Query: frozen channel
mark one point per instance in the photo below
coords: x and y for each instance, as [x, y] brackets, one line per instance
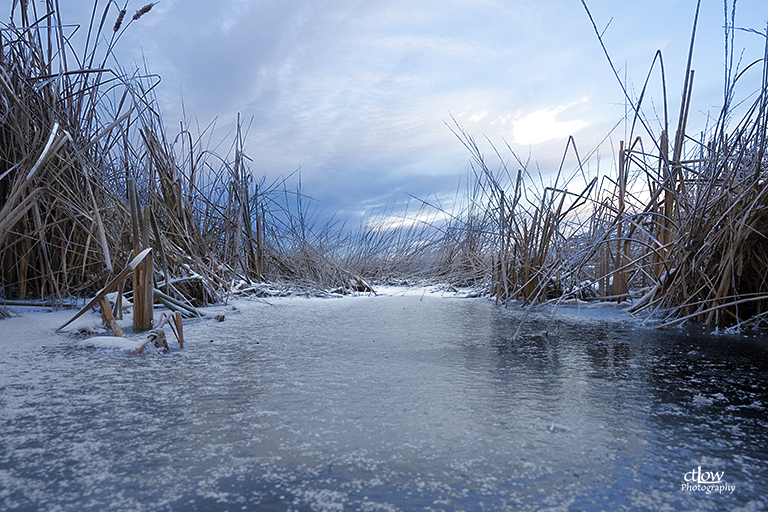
[382, 404]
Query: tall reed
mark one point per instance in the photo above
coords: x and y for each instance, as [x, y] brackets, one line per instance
[71, 140]
[682, 218]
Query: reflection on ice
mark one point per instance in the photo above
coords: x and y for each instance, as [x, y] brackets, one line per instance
[384, 403]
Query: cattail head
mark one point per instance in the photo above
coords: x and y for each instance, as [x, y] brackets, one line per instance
[119, 21]
[141, 12]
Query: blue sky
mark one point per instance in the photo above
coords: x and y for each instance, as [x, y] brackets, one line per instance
[357, 93]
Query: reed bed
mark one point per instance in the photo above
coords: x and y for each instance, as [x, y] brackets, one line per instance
[54, 234]
[679, 227]
[89, 178]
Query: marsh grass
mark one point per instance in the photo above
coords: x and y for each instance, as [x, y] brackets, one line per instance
[678, 226]
[76, 132]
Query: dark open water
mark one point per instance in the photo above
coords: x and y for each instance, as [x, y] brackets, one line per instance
[385, 404]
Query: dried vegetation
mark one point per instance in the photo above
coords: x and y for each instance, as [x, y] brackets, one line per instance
[88, 179]
[680, 227]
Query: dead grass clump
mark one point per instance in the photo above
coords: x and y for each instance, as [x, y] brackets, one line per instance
[71, 141]
[54, 237]
[680, 227]
[719, 268]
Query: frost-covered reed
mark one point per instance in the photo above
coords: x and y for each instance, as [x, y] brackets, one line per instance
[680, 227]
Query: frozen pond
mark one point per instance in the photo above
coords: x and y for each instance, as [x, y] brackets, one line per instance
[383, 404]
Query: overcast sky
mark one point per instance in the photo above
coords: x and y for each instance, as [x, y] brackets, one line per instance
[357, 93]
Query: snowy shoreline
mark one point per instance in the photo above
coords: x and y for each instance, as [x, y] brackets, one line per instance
[33, 324]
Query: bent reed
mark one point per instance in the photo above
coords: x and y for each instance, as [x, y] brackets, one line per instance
[679, 228]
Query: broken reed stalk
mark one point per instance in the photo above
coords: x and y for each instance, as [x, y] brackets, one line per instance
[178, 322]
[139, 297]
[147, 278]
[118, 311]
[111, 286]
[108, 318]
[176, 305]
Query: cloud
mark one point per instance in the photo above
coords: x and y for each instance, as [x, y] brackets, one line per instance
[408, 220]
[542, 126]
[476, 118]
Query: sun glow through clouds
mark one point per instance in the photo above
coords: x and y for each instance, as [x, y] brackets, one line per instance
[478, 117]
[542, 125]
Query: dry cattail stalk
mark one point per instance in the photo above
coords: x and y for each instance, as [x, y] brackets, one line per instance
[141, 12]
[119, 21]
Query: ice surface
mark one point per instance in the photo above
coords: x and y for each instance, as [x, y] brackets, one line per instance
[413, 399]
